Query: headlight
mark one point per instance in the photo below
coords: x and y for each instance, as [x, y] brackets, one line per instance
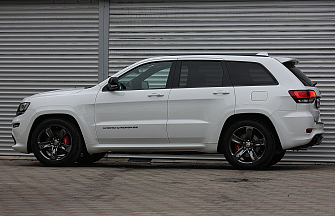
[22, 108]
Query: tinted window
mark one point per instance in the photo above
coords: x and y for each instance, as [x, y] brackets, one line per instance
[299, 74]
[148, 76]
[249, 74]
[201, 74]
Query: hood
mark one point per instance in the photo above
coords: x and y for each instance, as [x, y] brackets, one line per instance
[56, 93]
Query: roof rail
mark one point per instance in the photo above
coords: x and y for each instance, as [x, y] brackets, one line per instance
[263, 54]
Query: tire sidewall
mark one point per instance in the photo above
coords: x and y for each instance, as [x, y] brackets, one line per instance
[86, 158]
[269, 148]
[76, 147]
[276, 158]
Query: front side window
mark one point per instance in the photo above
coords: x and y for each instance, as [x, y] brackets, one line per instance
[196, 74]
[148, 76]
[249, 74]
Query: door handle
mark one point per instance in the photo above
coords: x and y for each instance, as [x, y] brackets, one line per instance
[156, 95]
[221, 92]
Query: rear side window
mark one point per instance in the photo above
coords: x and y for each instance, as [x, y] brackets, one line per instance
[299, 74]
[249, 74]
[196, 74]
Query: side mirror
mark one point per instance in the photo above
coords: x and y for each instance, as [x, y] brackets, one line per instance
[113, 84]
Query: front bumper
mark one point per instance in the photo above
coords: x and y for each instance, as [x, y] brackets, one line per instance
[20, 131]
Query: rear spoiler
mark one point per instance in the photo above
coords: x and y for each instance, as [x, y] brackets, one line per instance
[282, 60]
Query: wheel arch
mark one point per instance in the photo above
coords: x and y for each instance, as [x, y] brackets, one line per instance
[41, 118]
[249, 116]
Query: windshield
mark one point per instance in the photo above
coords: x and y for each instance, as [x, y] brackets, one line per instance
[299, 74]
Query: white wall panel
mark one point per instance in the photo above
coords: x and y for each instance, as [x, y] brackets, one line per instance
[44, 45]
[300, 29]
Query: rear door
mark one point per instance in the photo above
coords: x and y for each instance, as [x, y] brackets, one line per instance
[200, 102]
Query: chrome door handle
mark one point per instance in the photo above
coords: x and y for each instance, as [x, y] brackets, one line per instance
[156, 95]
[221, 92]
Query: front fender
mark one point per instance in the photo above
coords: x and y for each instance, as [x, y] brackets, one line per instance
[85, 120]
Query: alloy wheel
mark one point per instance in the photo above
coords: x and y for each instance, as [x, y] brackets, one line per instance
[54, 142]
[247, 144]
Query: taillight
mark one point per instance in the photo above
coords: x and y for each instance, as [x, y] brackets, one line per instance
[303, 96]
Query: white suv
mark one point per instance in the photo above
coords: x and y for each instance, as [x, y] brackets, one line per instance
[249, 108]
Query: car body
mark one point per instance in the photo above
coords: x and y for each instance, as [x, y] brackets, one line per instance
[261, 105]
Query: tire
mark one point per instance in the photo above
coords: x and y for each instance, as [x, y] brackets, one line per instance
[86, 158]
[56, 142]
[248, 144]
[276, 158]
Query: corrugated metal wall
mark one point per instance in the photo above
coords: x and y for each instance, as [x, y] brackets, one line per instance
[44, 45]
[300, 29]
[47, 45]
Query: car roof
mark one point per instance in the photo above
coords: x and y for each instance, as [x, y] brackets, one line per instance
[223, 57]
[254, 58]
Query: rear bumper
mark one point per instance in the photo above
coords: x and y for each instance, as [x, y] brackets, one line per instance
[317, 139]
[292, 128]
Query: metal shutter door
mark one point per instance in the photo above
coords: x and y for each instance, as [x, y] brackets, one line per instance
[44, 46]
[301, 29]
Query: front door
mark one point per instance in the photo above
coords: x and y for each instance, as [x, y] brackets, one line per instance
[137, 112]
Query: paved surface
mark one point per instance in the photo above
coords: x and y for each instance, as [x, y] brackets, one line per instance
[165, 188]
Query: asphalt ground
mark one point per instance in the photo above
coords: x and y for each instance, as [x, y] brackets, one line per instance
[165, 187]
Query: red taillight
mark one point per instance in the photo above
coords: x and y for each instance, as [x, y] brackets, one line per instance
[303, 96]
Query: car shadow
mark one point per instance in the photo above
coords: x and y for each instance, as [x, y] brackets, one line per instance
[222, 165]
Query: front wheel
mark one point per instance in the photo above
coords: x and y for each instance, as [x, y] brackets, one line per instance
[248, 144]
[56, 142]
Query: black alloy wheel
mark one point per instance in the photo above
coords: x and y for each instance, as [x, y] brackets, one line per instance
[248, 144]
[56, 142]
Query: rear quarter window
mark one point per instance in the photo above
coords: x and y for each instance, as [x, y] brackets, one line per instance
[249, 74]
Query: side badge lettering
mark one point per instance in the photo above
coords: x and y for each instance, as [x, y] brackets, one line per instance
[120, 127]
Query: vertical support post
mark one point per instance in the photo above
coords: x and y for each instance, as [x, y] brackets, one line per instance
[103, 40]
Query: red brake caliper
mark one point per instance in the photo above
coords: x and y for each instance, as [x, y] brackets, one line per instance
[66, 140]
[237, 146]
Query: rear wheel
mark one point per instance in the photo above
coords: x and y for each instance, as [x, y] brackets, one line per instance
[248, 144]
[56, 142]
[276, 158]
